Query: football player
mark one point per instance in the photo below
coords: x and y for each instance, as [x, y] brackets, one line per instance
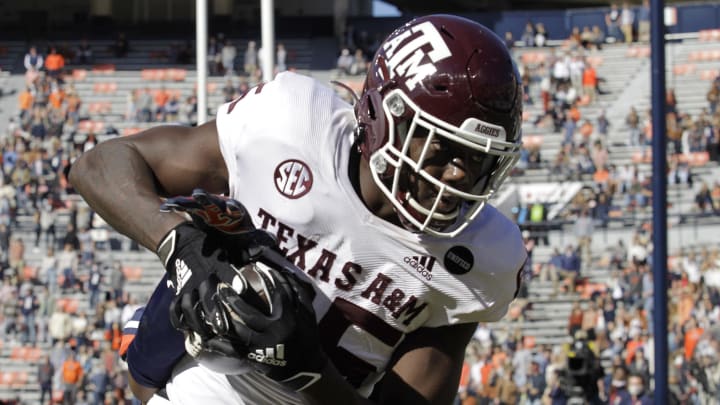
[382, 206]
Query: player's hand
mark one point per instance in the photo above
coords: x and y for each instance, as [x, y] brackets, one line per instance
[191, 256]
[284, 344]
[211, 212]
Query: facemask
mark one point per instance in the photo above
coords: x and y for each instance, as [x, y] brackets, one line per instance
[635, 390]
[618, 383]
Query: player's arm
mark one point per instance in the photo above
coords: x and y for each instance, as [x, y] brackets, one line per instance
[427, 370]
[123, 179]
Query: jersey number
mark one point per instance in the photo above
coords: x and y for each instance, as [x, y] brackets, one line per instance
[257, 88]
[341, 315]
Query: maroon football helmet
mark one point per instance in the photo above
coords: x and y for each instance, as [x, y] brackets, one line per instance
[440, 76]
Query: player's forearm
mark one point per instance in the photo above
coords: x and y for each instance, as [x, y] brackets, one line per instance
[118, 184]
[330, 388]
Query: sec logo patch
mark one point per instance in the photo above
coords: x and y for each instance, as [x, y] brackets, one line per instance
[293, 178]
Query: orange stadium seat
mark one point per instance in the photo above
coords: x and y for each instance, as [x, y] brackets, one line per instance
[177, 75]
[72, 306]
[595, 60]
[105, 87]
[684, 69]
[695, 158]
[131, 131]
[530, 141]
[99, 107]
[79, 74]
[709, 74]
[6, 378]
[29, 272]
[18, 353]
[132, 273]
[105, 68]
[91, 126]
[33, 354]
[20, 379]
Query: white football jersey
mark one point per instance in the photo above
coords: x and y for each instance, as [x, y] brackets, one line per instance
[287, 145]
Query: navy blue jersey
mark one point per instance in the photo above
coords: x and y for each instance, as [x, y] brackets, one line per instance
[157, 345]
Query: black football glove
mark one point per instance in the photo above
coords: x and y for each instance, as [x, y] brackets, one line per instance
[284, 344]
[191, 256]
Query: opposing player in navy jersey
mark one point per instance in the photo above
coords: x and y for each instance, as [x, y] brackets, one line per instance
[381, 209]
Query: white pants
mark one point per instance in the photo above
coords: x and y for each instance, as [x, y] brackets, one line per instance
[192, 384]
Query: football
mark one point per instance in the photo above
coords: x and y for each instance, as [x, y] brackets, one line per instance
[257, 288]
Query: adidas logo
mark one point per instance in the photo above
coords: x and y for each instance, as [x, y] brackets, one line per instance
[421, 264]
[274, 356]
[182, 274]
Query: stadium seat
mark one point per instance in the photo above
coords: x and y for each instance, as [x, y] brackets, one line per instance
[33, 354]
[105, 87]
[7, 378]
[709, 74]
[20, 379]
[105, 68]
[132, 273]
[684, 69]
[18, 353]
[532, 141]
[29, 272]
[131, 131]
[99, 107]
[79, 74]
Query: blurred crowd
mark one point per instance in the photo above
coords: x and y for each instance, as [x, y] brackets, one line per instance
[58, 287]
[611, 354]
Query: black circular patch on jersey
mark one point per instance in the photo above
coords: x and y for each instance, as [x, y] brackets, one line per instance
[459, 260]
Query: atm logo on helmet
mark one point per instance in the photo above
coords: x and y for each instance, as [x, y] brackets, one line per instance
[405, 52]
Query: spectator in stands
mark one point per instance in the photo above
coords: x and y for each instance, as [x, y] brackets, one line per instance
[25, 103]
[45, 372]
[68, 265]
[540, 35]
[144, 105]
[643, 18]
[33, 61]
[117, 280]
[72, 374]
[161, 98]
[509, 40]
[359, 64]
[344, 62]
[70, 237]
[121, 47]
[575, 319]
[250, 61]
[228, 90]
[54, 64]
[172, 108]
[29, 304]
[280, 58]
[704, 201]
[84, 53]
[99, 382]
[528, 35]
[713, 96]
[584, 228]
[612, 21]
[590, 83]
[59, 326]
[627, 20]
